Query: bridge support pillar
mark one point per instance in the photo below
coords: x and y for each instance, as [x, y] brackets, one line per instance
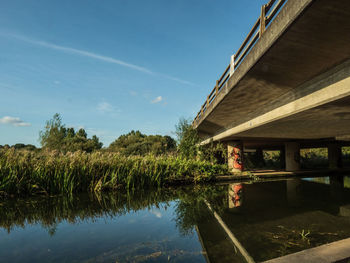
[292, 150]
[235, 156]
[334, 156]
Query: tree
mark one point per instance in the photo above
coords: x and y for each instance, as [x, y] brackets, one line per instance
[22, 146]
[81, 133]
[136, 143]
[54, 133]
[56, 136]
[187, 138]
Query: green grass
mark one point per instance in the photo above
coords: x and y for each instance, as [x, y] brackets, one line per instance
[28, 173]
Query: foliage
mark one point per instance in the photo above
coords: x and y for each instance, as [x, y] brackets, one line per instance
[214, 153]
[136, 143]
[314, 158]
[20, 146]
[187, 138]
[53, 172]
[56, 136]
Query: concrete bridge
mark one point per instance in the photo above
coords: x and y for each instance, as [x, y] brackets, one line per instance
[288, 85]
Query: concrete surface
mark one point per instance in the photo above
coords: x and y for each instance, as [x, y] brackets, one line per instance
[294, 83]
[328, 253]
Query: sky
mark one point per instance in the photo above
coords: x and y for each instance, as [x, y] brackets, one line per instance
[113, 66]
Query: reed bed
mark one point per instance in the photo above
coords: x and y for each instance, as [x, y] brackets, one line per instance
[25, 173]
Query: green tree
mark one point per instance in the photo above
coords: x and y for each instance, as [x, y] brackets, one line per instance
[187, 138]
[22, 146]
[53, 135]
[136, 143]
[56, 136]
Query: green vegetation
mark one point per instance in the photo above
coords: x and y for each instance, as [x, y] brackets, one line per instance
[56, 136]
[187, 139]
[136, 143]
[20, 146]
[189, 148]
[52, 172]
[69, 162]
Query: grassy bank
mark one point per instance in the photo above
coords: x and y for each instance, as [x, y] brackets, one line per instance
[28, 173]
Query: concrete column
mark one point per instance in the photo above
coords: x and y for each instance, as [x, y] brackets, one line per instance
[334, 156]
[235, 156]
[292, 156]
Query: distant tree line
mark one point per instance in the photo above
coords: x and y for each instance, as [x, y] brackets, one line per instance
[20, 146]
[56, 136]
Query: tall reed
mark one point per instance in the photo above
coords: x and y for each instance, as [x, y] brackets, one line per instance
[28, 173]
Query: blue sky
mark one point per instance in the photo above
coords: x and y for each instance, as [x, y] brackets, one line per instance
[113, 66]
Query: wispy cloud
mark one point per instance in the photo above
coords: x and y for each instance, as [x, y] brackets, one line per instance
[105, 107]
[80, 52]
[94, 56]
[15, 121]
[157, 100]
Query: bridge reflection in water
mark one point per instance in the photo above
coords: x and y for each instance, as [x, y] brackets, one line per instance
[272, 219]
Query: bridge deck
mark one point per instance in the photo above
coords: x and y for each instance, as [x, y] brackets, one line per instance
[307, 39]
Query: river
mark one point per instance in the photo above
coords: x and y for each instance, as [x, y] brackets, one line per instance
[268, 218]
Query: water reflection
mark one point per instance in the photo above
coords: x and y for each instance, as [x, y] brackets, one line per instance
[294, 194]
[235, 195]
[268, 218]
[113, 227]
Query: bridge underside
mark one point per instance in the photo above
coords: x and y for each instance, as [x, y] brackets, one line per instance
[293, 85]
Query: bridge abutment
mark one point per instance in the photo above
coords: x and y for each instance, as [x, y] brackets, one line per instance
[292, 150]
[235, 156]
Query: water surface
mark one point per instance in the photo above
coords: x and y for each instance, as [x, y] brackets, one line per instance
[270, 219]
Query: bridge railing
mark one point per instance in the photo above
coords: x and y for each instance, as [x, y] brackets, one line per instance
[268, 13]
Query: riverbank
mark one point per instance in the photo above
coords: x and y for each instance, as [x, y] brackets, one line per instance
[24, 173]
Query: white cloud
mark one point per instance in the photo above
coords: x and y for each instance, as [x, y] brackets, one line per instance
[15, 121]
[158, 99]
[157, 213]
[94, 56]
[105, 107]
[80, 52]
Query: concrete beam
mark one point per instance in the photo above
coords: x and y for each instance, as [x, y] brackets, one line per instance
[335, 86]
